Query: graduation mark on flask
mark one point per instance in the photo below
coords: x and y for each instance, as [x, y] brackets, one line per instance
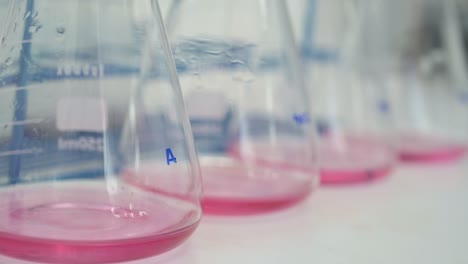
[81, 143]
[69, 70]
[21, 152]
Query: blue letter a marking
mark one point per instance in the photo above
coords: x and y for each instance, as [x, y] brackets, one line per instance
[170, 156]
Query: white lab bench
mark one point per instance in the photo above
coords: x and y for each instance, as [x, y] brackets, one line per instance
[418, 215]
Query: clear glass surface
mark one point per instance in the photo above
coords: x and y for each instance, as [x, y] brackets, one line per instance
[347, 93]
[97, 162]
[428, 77]
[244, 90]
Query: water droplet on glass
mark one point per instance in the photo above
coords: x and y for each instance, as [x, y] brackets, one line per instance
[60, 30]
[237, 62]
[243, 77]
[34, 28]
[8, 61]
[214, 52]
[142, 213]
[28, 14]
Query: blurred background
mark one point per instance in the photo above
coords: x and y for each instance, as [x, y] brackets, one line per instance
[404, 66]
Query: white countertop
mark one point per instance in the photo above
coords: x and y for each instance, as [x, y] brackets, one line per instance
[419, 215]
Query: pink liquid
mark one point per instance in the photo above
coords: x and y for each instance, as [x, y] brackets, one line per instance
[414, 148]
[352, 159]
[257, 179]
[336, 176]
[78, 222]
[231, 188]
[239, 190]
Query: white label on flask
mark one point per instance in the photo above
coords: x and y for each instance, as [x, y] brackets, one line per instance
[84, 114]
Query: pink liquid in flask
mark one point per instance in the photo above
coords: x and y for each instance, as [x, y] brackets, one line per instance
[422, 148]
[255, 182]
[78, 222]
[351, 159]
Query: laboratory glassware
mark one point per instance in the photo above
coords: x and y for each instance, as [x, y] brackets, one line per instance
[5, 5]
[429, 78]
[348, 97]
[97, 162]
[243, 86]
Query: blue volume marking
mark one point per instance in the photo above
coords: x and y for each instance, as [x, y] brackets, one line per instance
[384, 106]
[302, 118]
[463, 97]
[170, 157]
[21, 97]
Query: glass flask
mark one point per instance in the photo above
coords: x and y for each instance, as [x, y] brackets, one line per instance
[4, 8]
[97, 162]
[347, 95]
[428, 73]
[243, 88]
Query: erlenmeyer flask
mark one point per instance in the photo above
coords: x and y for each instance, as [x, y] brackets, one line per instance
[97, 163]
[354, 141]
[243, 88]
[429, 88]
